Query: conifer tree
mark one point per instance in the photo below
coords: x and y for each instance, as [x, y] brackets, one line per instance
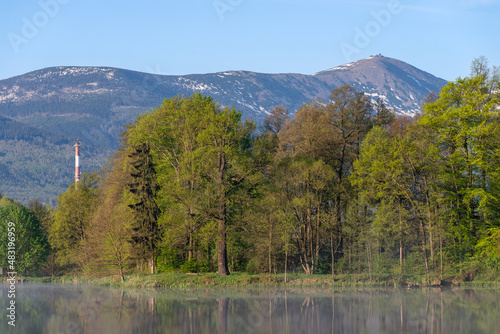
[144, 187]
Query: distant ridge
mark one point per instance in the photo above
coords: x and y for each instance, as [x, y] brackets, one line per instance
[61, 104]
[402, 85]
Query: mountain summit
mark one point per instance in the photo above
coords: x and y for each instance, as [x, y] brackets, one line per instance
[60, 104]
[400, 85]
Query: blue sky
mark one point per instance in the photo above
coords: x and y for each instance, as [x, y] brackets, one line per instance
[271, 36]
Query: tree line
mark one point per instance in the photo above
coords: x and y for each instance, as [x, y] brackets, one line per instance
[343, 186]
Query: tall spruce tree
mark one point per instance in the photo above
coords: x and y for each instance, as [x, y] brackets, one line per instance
[145, 187]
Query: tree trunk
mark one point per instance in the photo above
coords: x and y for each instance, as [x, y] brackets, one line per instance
[305, 264]
[190, 243]
[333, 256]
[431, 241]
[223, 270]
[338, 221]
[424, 251]
[400, 239]
[441, 254]
[369, 258]
[286, 259]
[152, 261]
[270, 242]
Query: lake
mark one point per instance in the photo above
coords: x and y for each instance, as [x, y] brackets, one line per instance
[82, 309]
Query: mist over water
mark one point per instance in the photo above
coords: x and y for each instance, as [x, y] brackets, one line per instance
[65, 309]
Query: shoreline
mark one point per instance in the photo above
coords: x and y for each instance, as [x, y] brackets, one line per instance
[191, 280]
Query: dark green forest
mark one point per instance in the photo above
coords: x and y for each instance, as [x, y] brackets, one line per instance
[341, 187]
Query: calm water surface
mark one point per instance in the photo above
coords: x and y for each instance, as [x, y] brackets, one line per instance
[82, 309]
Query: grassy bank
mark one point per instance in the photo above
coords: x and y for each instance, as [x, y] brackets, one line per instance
[180, 280]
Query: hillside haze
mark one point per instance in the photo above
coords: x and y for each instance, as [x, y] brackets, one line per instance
[43, 112]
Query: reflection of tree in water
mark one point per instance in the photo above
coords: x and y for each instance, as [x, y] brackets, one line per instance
[79, 310]
[85, 310]
[222, 325]
[33, 309]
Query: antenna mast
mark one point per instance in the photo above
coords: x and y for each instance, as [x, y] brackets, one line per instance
[77, 161]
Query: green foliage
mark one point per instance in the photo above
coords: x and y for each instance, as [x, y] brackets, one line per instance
[72, 219]
[194, 266]
[341, 187]
[437, 177]
[464, 120]
[488, 250]
[200, 153]
[302, 187]
[144, 188]
[108, 242]
[43, 213]
[28, 240]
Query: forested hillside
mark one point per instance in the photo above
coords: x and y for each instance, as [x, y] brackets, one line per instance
[344, 186]
[53, 107]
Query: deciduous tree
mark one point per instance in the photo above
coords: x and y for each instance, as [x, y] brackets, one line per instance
[72, 218]
[22, 240]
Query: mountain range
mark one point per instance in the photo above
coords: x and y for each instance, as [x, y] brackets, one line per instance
[43, 112]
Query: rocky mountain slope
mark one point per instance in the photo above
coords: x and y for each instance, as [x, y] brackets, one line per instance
[43, 112]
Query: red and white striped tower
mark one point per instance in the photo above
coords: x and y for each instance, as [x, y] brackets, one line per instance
[77, 162]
